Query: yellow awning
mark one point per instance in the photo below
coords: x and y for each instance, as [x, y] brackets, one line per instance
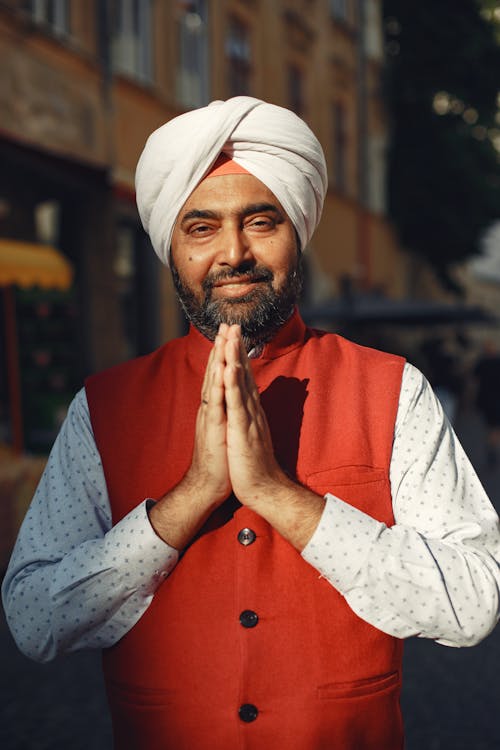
[26, 264]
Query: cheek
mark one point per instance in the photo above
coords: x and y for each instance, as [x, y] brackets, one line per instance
[193, 268]
[280, 278]
[277, 255]
[285, 262]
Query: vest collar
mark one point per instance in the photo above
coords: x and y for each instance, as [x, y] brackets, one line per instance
[289, 337]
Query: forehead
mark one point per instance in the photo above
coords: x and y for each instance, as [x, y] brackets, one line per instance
[230, 192]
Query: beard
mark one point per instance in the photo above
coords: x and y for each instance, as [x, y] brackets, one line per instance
[260, 313]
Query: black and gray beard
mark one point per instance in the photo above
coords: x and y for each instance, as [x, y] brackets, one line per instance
[261, 312]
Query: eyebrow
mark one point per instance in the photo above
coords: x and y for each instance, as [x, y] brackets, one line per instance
[253, 208]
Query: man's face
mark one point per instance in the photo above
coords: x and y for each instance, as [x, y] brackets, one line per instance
[235, 258]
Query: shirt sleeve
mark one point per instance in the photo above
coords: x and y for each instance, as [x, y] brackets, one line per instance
[435, 573]
[73, 580]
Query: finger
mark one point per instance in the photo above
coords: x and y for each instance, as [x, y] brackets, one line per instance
[216, 355]
[246, 421]
[233, 331]
[223, 330]
[232, 352]
[242, 393]
[236, 354]
[206, 376]
[215, 393]
[212, 411]
[235, 334]
[215, 411]
[235, 394]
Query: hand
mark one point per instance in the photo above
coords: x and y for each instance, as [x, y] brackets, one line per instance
[233, 450]
[256, 477]
[209, 471]
[253, 468]
[178, 515]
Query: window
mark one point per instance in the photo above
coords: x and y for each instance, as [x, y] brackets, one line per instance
[296, 90]
[52, 13]
[239, 57]
[193, 58]
[340, 143]
[131, 38]
[339, 9]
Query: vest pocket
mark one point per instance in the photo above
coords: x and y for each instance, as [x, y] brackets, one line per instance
[365, 487]
[358, 688]
[340, 476]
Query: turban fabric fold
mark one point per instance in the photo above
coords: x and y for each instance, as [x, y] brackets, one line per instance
[270, 142]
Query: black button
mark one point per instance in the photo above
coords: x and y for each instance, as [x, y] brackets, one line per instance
[248, 712]
[249, 619]
[247, 536]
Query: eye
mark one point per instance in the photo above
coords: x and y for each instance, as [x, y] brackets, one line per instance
[200, 229]
[261, 223]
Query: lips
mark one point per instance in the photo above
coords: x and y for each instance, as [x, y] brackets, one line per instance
[236, 286]
[236, 280]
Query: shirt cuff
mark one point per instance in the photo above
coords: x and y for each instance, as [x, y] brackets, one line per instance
[342, 542]
[148, 558]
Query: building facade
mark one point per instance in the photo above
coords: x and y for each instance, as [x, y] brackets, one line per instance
[83, 84]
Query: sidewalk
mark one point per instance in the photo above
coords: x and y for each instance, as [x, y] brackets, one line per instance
[450, 696]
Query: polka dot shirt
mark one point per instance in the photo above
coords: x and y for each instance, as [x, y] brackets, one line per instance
[75, 581]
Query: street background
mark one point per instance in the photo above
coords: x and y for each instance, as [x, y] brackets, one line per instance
[450, 696]
[404, 98]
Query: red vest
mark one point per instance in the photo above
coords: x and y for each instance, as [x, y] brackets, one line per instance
[245, 645]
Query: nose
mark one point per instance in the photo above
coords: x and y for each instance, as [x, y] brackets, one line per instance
[234, 247]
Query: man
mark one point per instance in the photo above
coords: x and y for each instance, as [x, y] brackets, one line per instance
[250, 519]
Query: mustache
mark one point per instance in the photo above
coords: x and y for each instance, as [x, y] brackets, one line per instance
[251, 272]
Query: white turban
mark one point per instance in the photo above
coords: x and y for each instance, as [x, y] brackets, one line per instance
[270, 142]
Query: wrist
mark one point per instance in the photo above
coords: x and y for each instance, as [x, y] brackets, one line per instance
[293, 510]
[262, 492]
[178, 515]
[205, 491]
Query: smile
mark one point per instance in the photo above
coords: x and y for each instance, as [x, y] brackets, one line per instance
[235, 287]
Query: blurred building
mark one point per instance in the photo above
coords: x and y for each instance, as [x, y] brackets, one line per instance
[83, 83]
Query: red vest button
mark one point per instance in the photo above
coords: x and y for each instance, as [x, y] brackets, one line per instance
[246, 537]
[249, 619]
[248, 712]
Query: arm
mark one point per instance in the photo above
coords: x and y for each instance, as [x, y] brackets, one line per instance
[435, 573]
[73, 581]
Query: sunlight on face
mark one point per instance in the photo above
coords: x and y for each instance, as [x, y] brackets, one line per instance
[235, 258]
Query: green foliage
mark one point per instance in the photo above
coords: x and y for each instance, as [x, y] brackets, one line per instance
[442, 87]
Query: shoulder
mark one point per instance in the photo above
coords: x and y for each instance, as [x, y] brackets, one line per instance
[129, 382]
[417, 399]
[349, 350]
[126, 371]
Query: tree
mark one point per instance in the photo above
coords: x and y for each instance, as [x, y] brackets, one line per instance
[442, 89]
